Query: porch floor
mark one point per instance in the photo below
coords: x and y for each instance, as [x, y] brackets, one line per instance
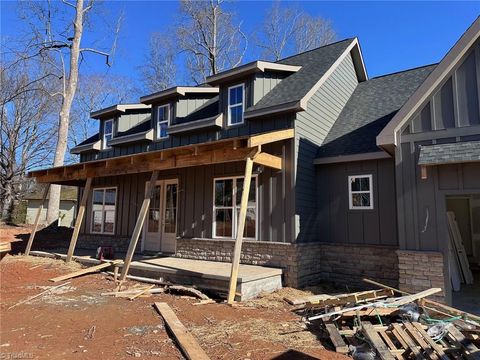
[206, 275]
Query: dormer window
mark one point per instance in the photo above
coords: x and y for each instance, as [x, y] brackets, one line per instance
[107, 133]
[163, 119]
[235, 104]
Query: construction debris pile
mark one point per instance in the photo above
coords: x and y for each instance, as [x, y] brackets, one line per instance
[378, 325]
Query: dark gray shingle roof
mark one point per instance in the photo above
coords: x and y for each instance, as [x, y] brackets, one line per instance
[449, 153]
[90, 140]
[294, 87]
[371, 106]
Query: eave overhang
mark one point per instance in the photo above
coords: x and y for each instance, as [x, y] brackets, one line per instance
[116, 110]
[94, 146]
[127, 139]
[250, 68]
[177, 92]
[191, 126]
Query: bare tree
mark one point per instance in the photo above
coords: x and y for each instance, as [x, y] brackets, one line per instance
[287, 30]
[313, 32]
[159, 69]
[57, 30]
[96, 91]
[210, 38]
[26, 131]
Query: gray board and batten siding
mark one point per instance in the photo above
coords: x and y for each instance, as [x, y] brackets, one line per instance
[450, 115]
[195, 195]
[311, 129]
[336, 223]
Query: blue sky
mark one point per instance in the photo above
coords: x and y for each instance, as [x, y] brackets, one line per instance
[393, 35]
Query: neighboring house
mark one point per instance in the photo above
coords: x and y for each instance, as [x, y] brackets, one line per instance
[343, 196]
[67, 209]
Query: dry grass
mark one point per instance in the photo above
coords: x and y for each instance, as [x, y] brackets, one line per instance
[38, 262]
[292, 334]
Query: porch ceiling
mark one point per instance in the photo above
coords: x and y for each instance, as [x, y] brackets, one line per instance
[221, 151]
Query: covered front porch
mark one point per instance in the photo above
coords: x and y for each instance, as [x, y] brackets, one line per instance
[210, 276]
[172, 192]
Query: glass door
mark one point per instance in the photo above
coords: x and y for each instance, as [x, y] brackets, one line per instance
[153, 223]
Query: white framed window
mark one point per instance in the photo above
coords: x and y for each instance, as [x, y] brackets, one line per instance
[163, 120]
[236, 95]
[227, 195]
[107, 133]
[360, 192]
[104, 201]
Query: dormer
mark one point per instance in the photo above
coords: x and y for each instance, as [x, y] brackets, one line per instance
[243, 86]
[118, 125]
[183, 109]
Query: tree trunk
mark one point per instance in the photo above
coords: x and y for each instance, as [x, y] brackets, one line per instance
[64, 117]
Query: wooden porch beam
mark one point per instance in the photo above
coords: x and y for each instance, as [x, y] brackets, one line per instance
[241, 226]
[268, 160]
[138, 226]
[37, 220]
[270, 137]
[79, 219]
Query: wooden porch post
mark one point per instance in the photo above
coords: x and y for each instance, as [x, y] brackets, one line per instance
[37, 220]
[241, 226]
[79, 219]
[138, 226]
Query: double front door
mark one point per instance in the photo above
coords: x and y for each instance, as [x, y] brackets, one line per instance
[161, 223]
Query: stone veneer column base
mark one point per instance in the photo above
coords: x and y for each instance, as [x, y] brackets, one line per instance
[421, 270]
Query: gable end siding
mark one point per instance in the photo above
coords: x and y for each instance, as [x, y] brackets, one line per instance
[311, 128]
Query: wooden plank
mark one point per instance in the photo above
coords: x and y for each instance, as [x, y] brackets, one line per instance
[265, 159]
[336, 339]
[270, 137]
[457, 243]
[471, 352]
[38, 295]
[410, 298]
[78, 220]
[376, 341]
[190, 347]
[240, 228]
[89, 270]
[138, 226]
[438, 349]
[407, 340]
[304, 300]
[141, 292]
[37, 220]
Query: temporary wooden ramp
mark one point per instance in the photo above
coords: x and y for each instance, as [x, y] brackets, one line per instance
[246, 148]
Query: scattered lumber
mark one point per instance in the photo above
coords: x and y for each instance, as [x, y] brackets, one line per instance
[374, 324]
[450, 310]
[89, 270]
[187, 290]
[205, 302]
[189, 346]
[130, 292]
[143, 279]
[141, 292]
[38, 295]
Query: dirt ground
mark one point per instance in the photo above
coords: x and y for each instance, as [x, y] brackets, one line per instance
[76, 321]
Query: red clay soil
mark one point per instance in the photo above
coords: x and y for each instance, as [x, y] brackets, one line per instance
[77, 322]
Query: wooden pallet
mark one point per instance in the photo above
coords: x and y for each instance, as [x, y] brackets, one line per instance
[407, 340]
